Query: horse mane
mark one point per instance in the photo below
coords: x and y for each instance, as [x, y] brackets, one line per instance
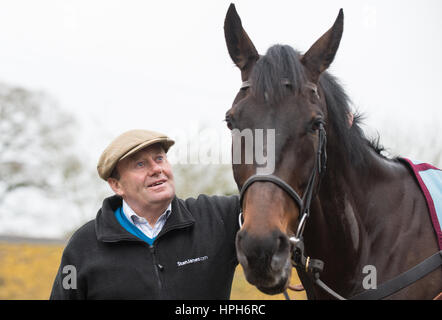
[283, 62]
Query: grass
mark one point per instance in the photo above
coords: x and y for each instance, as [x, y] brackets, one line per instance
[27, 272]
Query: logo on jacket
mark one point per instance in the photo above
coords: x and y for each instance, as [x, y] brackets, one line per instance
[193, 260]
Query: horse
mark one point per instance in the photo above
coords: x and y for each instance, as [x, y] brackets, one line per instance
[363, 208]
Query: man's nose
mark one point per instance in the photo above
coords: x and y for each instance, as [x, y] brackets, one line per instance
[155, 168]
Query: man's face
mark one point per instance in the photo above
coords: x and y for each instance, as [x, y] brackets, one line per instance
[146, 178]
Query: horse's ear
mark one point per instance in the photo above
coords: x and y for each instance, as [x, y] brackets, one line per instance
[241, 49]
[321, 54]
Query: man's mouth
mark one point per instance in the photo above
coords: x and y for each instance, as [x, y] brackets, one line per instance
[156, 183]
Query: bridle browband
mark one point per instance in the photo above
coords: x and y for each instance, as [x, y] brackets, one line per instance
[313, 267]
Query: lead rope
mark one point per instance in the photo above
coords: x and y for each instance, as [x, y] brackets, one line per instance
[286, 295]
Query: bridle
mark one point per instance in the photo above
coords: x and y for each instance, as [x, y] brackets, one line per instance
[299, 261]
[316, 174]
[303, 202]
[313, 267]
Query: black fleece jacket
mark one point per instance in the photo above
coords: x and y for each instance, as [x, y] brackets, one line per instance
[193, 257]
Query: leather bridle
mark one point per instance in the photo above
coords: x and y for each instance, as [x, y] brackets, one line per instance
[303, 202]
[318, 170]
[299, 261]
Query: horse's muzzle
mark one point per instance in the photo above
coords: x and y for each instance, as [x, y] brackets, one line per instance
[265, 260]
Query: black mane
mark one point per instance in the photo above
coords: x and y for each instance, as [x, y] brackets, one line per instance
[283, 62]
[280, 62]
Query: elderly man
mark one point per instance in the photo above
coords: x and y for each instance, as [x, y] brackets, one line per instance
[145, 243]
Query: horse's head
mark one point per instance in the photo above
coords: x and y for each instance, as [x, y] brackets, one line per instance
[280, 91]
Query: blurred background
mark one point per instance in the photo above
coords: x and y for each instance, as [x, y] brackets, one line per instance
[75, 74]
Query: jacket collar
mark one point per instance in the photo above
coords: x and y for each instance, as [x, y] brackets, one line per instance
[108, 229]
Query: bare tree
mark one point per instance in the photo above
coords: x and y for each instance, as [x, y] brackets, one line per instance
[35, 142]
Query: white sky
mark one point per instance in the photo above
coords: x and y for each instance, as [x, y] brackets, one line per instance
[163, 65]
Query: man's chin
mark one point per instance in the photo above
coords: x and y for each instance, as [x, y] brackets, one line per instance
[161, 196]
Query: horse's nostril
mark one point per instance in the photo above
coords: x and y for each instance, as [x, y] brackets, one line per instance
[239, 239]
[283, 243]
[279, 258]
[240, 253]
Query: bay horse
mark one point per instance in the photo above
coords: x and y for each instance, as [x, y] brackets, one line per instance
[364, 209]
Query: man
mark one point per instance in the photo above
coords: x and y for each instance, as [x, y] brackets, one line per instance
[145, 243]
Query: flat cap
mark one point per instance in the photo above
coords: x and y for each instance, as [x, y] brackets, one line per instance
[126, 144]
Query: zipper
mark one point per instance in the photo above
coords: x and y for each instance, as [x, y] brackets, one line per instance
[156, 267]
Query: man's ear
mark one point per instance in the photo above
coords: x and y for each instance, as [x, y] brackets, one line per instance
[115, 186]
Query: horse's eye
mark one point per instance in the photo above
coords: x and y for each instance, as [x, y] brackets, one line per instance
[315, 92]
[317, 124]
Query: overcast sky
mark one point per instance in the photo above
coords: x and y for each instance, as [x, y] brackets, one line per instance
[163, 65]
